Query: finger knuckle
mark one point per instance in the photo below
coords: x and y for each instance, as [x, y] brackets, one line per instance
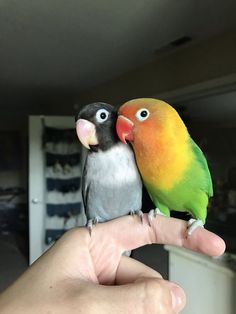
[155, 297]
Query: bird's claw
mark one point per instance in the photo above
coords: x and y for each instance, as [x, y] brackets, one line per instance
[152, 214]
[90, 226]
[91, 223]
[140, 215]
[194, 224]
[137, 212]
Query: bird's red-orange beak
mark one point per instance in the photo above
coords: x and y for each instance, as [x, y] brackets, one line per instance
[124, 129]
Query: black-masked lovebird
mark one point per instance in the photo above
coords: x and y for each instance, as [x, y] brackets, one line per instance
[173, 168]
[111, 183]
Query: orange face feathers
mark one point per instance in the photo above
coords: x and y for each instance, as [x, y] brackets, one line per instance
[152, 117]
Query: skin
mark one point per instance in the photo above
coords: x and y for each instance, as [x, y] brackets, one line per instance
[83, 274]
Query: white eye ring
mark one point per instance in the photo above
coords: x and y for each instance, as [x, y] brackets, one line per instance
[102, 115]
[142, 114]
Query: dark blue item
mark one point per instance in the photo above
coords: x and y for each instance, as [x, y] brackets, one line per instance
[53, 235]
[63, 185]
[70, 159]
[59, 135]
[63, 210]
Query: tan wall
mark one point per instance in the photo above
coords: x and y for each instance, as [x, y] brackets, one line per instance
[207, 60]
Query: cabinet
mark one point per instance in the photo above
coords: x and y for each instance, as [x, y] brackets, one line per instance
[209, 283]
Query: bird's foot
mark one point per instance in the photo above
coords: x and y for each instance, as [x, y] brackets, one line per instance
[127, 253]
[91, 223]
[137, 212]
[152, 214]
[140, 215]
[194, 224]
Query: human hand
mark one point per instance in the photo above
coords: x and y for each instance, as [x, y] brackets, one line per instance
[83, 274]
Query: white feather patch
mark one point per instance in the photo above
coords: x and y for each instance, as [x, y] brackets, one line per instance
[113, 167]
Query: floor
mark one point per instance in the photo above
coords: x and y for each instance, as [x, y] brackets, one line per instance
[13, 258]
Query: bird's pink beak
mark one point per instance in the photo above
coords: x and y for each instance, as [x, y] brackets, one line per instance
[86, 133]
[124, 129]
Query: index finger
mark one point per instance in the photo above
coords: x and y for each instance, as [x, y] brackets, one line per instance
[128, 233]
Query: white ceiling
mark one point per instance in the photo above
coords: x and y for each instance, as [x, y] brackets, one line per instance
[51, 48]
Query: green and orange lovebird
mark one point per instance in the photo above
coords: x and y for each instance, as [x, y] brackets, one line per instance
[173, 168]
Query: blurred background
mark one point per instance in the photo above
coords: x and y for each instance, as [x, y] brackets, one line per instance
[56, 56]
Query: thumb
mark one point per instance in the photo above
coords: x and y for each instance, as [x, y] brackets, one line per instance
[139, 289]
[145, 295]
[162, 293]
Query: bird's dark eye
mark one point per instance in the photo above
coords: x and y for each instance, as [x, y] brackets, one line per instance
[102, 115]
[142, 114]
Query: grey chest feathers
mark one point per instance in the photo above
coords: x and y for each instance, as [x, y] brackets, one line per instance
[111, 183]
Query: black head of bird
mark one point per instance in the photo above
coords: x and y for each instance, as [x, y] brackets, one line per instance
[96, 126]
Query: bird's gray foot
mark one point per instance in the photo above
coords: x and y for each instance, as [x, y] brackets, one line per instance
[140, 215]
[194, 224]
[91, 223]
[137, 212]
[127, 253]
[152, 214]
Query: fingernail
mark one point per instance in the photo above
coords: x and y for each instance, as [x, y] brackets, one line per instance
[178, 298]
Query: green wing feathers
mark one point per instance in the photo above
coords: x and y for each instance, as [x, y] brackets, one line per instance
[190, 193]
[207, 186]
